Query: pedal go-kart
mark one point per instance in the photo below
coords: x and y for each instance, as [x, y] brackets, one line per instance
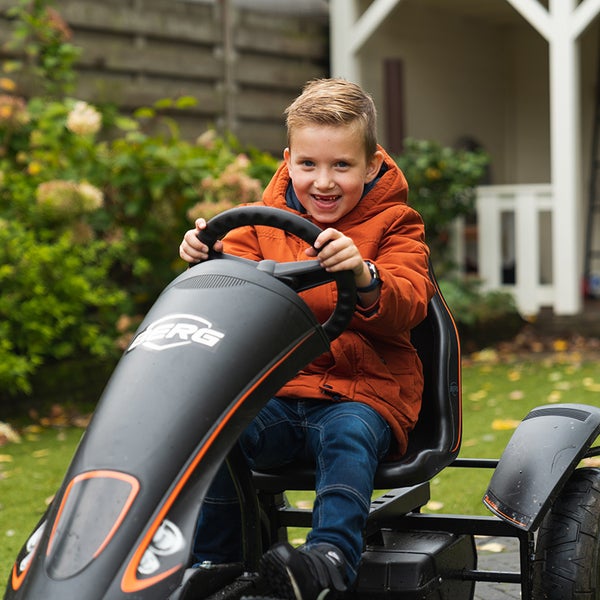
[220, 340]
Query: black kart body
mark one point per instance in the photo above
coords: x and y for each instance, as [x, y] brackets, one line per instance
[218, 343]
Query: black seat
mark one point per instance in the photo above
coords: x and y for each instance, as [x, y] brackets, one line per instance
[435, 441]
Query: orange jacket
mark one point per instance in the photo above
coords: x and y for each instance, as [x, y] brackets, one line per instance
[373, 361]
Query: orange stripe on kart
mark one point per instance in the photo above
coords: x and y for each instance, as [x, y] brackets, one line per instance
[130, 583]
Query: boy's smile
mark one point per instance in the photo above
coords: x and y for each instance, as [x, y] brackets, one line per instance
[329, 169]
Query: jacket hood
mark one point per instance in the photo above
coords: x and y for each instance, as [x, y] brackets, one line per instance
[390, 189]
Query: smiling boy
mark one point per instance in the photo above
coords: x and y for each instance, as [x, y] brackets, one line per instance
[354, 405]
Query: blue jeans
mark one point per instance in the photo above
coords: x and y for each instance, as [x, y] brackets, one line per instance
[345, 441]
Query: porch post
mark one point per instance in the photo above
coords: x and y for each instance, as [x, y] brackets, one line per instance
[565, 140]
[343, 15]
[349, 32]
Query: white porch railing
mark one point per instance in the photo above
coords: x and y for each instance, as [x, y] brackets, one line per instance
[515, 243]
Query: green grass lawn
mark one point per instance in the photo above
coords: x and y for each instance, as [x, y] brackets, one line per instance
[496, 397]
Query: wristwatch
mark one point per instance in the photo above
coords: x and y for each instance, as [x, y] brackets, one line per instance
[375, 281]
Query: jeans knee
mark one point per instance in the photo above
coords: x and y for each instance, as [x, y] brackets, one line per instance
[355, 434]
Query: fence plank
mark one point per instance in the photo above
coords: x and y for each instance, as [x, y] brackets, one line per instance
[135, 52]
[126, 54]
[168, 19]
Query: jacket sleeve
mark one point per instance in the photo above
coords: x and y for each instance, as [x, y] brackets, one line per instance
[402, 260]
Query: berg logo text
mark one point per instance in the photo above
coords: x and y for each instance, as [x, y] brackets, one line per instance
[177, 330]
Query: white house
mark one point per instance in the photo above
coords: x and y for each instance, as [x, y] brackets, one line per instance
[517, 77]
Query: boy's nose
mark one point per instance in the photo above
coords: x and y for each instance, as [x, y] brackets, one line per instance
[324, 182]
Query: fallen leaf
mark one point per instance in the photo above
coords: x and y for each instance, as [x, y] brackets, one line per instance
[514, 375]
[5, 458]
[469, 443]
[434, 505]
[590, 385]
[554, 396]
[487, 355]
[40, 453]
[33, 429]
[8, 434]
[504, 424]
[560, 345]
[82, 422]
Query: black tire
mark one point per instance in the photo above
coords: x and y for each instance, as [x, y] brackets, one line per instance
[566, 565]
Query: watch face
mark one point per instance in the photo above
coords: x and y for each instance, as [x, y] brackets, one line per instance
[373, 270]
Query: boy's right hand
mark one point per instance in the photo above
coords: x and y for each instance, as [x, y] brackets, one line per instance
[191, 249]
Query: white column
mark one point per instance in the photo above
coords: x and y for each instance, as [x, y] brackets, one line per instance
[565, 139]
[343, 15]
[349, 31]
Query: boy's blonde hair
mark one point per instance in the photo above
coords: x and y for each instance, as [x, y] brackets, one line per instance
[334, 102]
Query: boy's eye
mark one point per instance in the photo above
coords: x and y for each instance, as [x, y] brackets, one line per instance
[308, 163]
[342, 164]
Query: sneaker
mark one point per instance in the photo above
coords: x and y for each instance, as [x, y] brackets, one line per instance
[312, 573]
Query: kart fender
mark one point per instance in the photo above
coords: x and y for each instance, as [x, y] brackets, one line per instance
[540, 456]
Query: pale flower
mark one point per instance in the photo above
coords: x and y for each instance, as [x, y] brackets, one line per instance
[92, 198]
[67, 200]
[84, 119]
[207, 139]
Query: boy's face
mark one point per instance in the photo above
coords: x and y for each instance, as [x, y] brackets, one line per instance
[328, 168]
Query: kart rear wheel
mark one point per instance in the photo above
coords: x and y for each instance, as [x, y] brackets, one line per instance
[567, 551]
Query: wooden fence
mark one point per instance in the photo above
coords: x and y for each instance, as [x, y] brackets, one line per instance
[243, 66]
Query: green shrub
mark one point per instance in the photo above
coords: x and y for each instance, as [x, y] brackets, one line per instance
[93, 205]
[482, 318]
[57, 301]
[442, 184]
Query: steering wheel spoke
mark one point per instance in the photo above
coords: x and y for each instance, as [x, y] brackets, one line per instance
[298, 275]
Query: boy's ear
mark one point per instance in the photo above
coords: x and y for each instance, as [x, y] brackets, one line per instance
[374, 165]
[286, 156]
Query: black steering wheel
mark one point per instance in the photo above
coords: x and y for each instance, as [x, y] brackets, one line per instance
[298, 275]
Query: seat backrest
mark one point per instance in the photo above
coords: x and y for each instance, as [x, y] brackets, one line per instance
[435, 441]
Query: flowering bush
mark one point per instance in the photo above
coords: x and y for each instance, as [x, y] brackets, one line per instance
[107, 213]
[92, 207]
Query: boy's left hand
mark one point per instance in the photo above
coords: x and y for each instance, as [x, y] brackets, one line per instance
[337, 252]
